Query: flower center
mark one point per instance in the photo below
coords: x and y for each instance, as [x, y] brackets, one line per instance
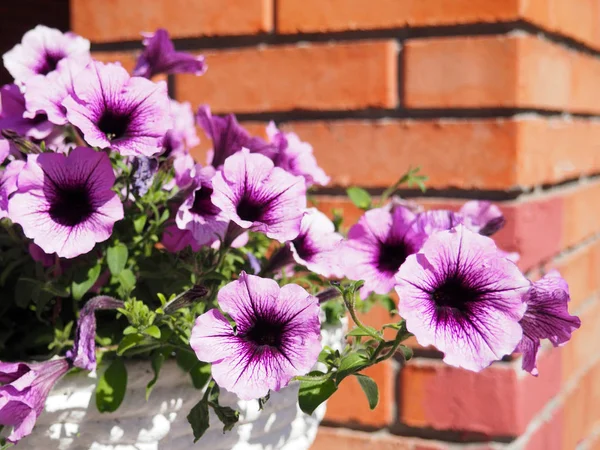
[113, 125]
[391, 256]
[454, 293]
[202, 203]
[265, 333]
[69, 206]
[50, 62]
[249, 210]
[303, 248]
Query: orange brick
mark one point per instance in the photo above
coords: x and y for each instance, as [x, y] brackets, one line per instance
[349, 406]
[314, 76]
[122, 20]
[127, 59]
[309, 16]
[508, 71]
[340, 439]
[526, 151]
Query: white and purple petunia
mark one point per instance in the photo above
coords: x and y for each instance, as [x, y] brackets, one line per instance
[318, 246]
[66, 203]
[8, 184]
[25, 387]
[296, 156]
[277, 336]
[13, 111]
[42, 50]
[44, 94]
[260, 197]
[159, 56]
[547, 317]
[459, 295]
[229, 137]
[483, 217]
[198, 213]
[128, 114]
[378, 245]
[182, 137]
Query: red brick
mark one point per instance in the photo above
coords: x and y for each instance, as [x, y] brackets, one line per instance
[508, 71]
[309, 16]
[340, 439]
[498, 401]
[349, 405]
[526, 151]
[313, 76]
[549, 435]
[119, 20]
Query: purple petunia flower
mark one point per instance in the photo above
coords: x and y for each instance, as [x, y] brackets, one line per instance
[198, 213]
[65, 204]
[378, 245]
[8, 184]
[229, 137]
[44, 94]
[12, 110]
[277, 336]
[174, 239]
[83, 353]
[258, 196]
[547, 317]
[182, 137]
[23, 393]
[160, 56]
[41, 51]
[318, 245]
[112, 109]
[459, 295]
[483, 217]
[39, 255]
[296, 156]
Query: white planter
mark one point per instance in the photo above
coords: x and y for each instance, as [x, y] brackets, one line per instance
[72, 422]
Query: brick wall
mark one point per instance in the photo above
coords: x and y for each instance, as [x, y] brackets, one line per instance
[494, 99]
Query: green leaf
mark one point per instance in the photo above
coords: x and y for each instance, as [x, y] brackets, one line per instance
[129, 341]
[360, 197]
[116, 256]
[127, 279]
[111, 387]
[351, 363]
[152, 331]
[228, 416]
[359, 332]
[157, 361]
[129, 330]
[84, 280]
[407, 352]
[313, 393]
[139, 224]
[198, 419]
[370, 389]
[200, 374]
[26, 291]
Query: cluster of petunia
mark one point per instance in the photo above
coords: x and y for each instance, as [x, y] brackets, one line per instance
[225, 257]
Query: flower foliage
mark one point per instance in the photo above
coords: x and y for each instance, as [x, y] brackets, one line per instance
[116, 241]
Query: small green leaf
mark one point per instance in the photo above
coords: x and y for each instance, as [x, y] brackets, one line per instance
[127, 279]
[129, 341]
[84, 280]
[116, 256]
[360, 197]
[111, 387]
[228, 416]
[351, 363]
[139, 224]
[26, 291]
[200, 374]
[152, 331]
[157, 361]
[199, 419]
[359, 332]
[313, 393]
[370, 389]
[129, 330]
[407, 352]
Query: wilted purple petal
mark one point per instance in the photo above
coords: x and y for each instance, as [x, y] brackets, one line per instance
[160, 56]
[483, 217]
